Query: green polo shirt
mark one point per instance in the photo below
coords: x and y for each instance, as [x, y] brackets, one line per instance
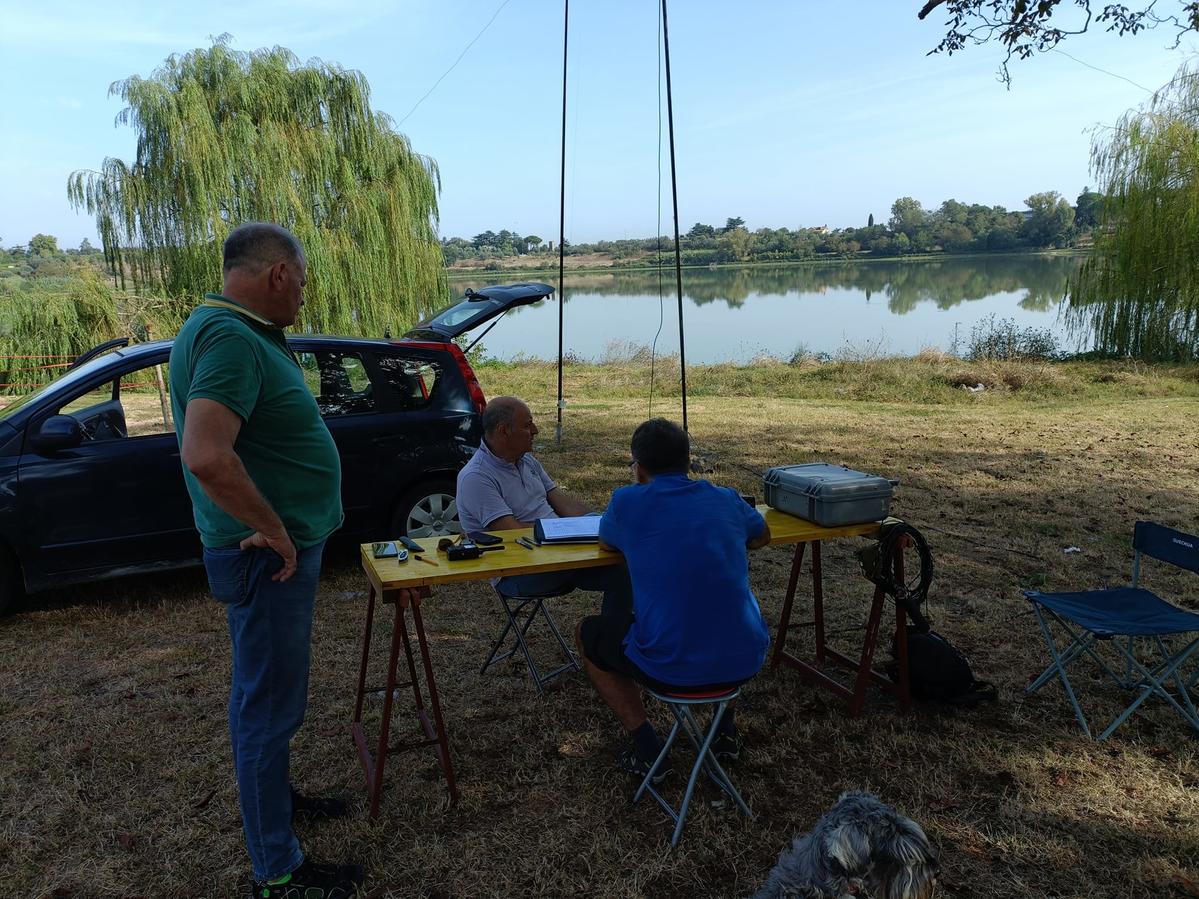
[226, 353]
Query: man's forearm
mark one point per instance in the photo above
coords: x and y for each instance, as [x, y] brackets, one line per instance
[508, 523]
[228, 485]
[761, 540]
[565, 505]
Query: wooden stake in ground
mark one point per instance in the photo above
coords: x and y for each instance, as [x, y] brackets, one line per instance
[162, 387]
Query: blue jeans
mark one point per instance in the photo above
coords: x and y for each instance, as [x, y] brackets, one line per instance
[611, 580]
[270, 628]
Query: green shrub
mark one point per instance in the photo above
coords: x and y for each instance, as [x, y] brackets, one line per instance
[1001, 339]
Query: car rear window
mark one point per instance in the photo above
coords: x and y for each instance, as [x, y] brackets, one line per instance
[452, 319]
[412, 382]
[339, 381]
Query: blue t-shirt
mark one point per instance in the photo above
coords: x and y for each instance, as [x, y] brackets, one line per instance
[697, 622]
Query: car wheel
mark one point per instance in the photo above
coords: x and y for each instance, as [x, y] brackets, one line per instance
[428, 510]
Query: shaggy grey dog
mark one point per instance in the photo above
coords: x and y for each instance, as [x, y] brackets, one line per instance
[861, 848]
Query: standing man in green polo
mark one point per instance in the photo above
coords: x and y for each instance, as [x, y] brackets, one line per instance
[265, 482]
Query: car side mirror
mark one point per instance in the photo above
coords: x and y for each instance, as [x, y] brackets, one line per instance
[58, 432]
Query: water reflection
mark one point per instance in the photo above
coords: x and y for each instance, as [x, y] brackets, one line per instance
[733, 314]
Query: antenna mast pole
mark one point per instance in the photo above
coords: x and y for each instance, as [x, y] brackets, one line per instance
[562, 222]
[674, 196]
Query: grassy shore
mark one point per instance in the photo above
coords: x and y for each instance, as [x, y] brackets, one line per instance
[116, 779]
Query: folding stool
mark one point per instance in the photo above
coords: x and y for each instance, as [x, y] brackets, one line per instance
[529, 607]
[681, 705]
[1120, 616]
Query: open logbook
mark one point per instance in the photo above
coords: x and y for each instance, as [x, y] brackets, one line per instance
[577, 529]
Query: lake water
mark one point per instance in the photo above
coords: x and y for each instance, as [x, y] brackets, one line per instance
[735, 315]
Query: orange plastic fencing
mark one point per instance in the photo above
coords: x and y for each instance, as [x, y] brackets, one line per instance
[48, 366]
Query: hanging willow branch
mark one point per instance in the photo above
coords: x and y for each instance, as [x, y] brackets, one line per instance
[46, 322]
[226, 137]
[1139, 290]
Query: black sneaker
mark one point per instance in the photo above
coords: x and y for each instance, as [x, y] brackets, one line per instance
[314, 881]
[631, 763]
[727, 746]
[317, 808]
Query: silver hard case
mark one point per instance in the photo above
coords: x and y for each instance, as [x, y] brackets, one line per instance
[829, 495]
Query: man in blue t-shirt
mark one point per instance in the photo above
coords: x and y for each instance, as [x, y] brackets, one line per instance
[696, 625]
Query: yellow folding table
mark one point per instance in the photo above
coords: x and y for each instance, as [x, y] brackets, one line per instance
[405, 585]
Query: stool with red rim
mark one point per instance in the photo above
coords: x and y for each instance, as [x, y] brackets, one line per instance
[681, 705]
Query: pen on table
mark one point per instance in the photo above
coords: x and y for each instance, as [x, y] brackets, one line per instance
[423, 559]
[523, 541]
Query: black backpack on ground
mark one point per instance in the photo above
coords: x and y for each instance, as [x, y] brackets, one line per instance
[939, 672]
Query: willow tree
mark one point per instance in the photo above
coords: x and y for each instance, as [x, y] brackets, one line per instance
[1139, 290]
[47, 321]
[226, 137]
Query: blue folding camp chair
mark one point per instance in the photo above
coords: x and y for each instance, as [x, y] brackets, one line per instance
[1120, 617]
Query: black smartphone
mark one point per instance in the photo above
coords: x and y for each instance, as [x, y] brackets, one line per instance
[384, 550]
[486, 539]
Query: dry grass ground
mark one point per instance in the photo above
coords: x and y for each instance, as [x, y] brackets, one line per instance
[115, 779]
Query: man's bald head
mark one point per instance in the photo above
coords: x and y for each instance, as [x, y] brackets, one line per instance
[502, 410]
[508, 428]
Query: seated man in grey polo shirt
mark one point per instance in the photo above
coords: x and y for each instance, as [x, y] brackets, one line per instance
[503, 487]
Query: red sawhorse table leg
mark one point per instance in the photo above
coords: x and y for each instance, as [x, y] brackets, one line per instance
[433, 730]
[862, 666]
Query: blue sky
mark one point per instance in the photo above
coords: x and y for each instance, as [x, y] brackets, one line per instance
[786, 113]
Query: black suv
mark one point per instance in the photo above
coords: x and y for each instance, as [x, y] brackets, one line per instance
[90, 479]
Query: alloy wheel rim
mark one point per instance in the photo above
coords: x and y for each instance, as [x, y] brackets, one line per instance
[436, 515]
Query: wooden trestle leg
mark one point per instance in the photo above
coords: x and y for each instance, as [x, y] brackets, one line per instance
[374, 764]
[861, 667]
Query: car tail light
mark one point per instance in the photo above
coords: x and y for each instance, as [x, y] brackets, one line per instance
[478, 400]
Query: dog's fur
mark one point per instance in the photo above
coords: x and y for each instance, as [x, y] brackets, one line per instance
[861, 849]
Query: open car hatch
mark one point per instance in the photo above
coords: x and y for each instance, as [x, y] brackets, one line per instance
[477, 307]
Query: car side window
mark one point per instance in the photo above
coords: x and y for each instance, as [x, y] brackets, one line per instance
[137, 404]
[412, 382]
[95, 397]
[339, 381]
[146, 397]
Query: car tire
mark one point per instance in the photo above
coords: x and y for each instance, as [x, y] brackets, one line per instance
[427, 510]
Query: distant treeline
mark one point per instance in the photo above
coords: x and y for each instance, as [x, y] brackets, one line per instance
[1049, 221]
[42, 257]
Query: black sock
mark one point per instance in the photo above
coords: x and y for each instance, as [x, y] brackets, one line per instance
[646, 742]
[728, 722]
